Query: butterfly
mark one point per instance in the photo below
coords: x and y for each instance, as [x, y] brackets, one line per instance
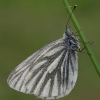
[51, 72]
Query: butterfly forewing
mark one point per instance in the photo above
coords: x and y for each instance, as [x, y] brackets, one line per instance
[49, 73]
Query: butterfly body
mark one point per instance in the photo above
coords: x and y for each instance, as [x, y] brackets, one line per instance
[51, 72]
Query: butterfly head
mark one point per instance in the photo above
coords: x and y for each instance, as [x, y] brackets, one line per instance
[69, 32]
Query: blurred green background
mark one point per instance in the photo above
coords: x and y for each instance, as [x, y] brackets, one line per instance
[27, 25]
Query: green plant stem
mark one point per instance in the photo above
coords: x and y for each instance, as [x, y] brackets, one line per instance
[82, 37]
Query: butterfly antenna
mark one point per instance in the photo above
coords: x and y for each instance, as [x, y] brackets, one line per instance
[70, 15]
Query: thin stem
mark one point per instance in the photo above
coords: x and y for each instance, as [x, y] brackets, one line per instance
[83, 38]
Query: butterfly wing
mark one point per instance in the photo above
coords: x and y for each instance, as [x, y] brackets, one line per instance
[49, 73]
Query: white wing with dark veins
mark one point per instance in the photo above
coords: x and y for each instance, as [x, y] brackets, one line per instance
[49, 73]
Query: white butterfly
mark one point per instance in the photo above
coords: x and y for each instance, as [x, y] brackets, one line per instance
[51, 72]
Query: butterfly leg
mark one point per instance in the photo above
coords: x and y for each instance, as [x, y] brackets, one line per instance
[90, 43]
